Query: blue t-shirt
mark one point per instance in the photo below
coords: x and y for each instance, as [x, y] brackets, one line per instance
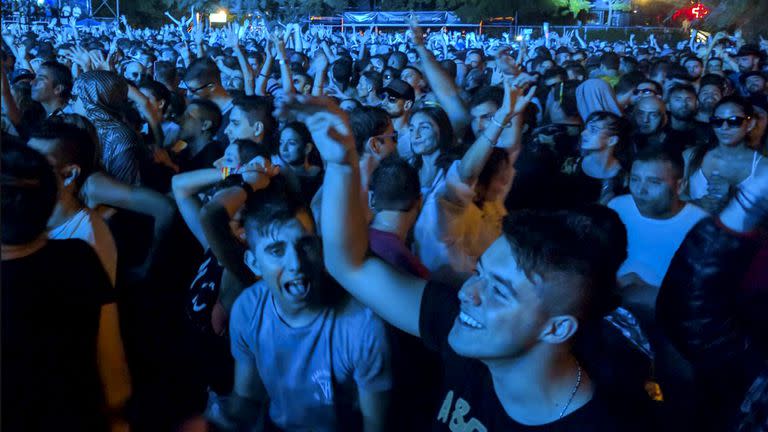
[311, 373]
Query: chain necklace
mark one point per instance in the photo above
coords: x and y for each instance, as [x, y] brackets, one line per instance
[573, 392]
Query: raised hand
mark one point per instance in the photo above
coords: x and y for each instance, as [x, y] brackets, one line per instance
[417, 33]
[507, 65]
[99, 60]
[327, 123]
[258, 173]
[231, 35]
[322, 62]
[522, 101]
[78, 56]
[197, 33]
[174, 20]
[509, 103]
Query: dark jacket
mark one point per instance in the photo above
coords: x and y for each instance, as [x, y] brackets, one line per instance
[699, 307]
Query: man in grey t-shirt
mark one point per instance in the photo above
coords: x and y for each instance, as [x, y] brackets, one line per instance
[320, 358]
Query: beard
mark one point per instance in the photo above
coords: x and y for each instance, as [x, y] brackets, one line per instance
[684, 115]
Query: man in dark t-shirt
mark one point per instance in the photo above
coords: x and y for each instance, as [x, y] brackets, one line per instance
[63, 365]
[199, 124]
[506, 341]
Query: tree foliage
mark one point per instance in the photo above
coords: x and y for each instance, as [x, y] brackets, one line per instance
[747, 15]
[573, 7]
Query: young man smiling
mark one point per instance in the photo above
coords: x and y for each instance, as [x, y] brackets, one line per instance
[506, 340]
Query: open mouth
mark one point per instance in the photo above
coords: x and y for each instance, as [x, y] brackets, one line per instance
[468, 321]
[298, 288]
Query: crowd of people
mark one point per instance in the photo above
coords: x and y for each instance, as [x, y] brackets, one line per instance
[267, 227]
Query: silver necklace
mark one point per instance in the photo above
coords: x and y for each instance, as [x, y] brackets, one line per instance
[573, 392]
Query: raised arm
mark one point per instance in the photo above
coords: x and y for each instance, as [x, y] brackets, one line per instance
[8, 102]
[100, 189]
[186, 186]
[298, 38]
[266, 68]
[286, 76]
[216, 215]
[232, 39]
[394, 296]
[149, 113]
[477, 156]
[582, 42]
[321, 70]
[441, 83]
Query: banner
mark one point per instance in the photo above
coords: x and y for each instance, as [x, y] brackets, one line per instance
[424, 18]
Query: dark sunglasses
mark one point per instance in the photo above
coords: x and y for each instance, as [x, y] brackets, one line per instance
[195, 90]
[734, 121]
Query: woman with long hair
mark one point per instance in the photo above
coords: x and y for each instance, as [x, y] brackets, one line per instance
[433, 145]
[716, 170]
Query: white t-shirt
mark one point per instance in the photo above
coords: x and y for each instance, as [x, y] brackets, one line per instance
[91, 228]
[653, 242]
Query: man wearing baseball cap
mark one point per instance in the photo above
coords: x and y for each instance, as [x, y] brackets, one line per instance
[754, 84]
[397, 99]
[748, 59]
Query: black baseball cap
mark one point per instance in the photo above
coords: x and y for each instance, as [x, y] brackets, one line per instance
[399, 89]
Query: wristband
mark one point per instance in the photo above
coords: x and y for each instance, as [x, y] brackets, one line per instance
[498, 123]
[226, 172]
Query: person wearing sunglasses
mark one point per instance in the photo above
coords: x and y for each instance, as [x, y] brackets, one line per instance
[203, 80]
[397, 99]
[716, 171]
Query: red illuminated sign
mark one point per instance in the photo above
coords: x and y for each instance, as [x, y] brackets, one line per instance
[699, 11]
[696, 11]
